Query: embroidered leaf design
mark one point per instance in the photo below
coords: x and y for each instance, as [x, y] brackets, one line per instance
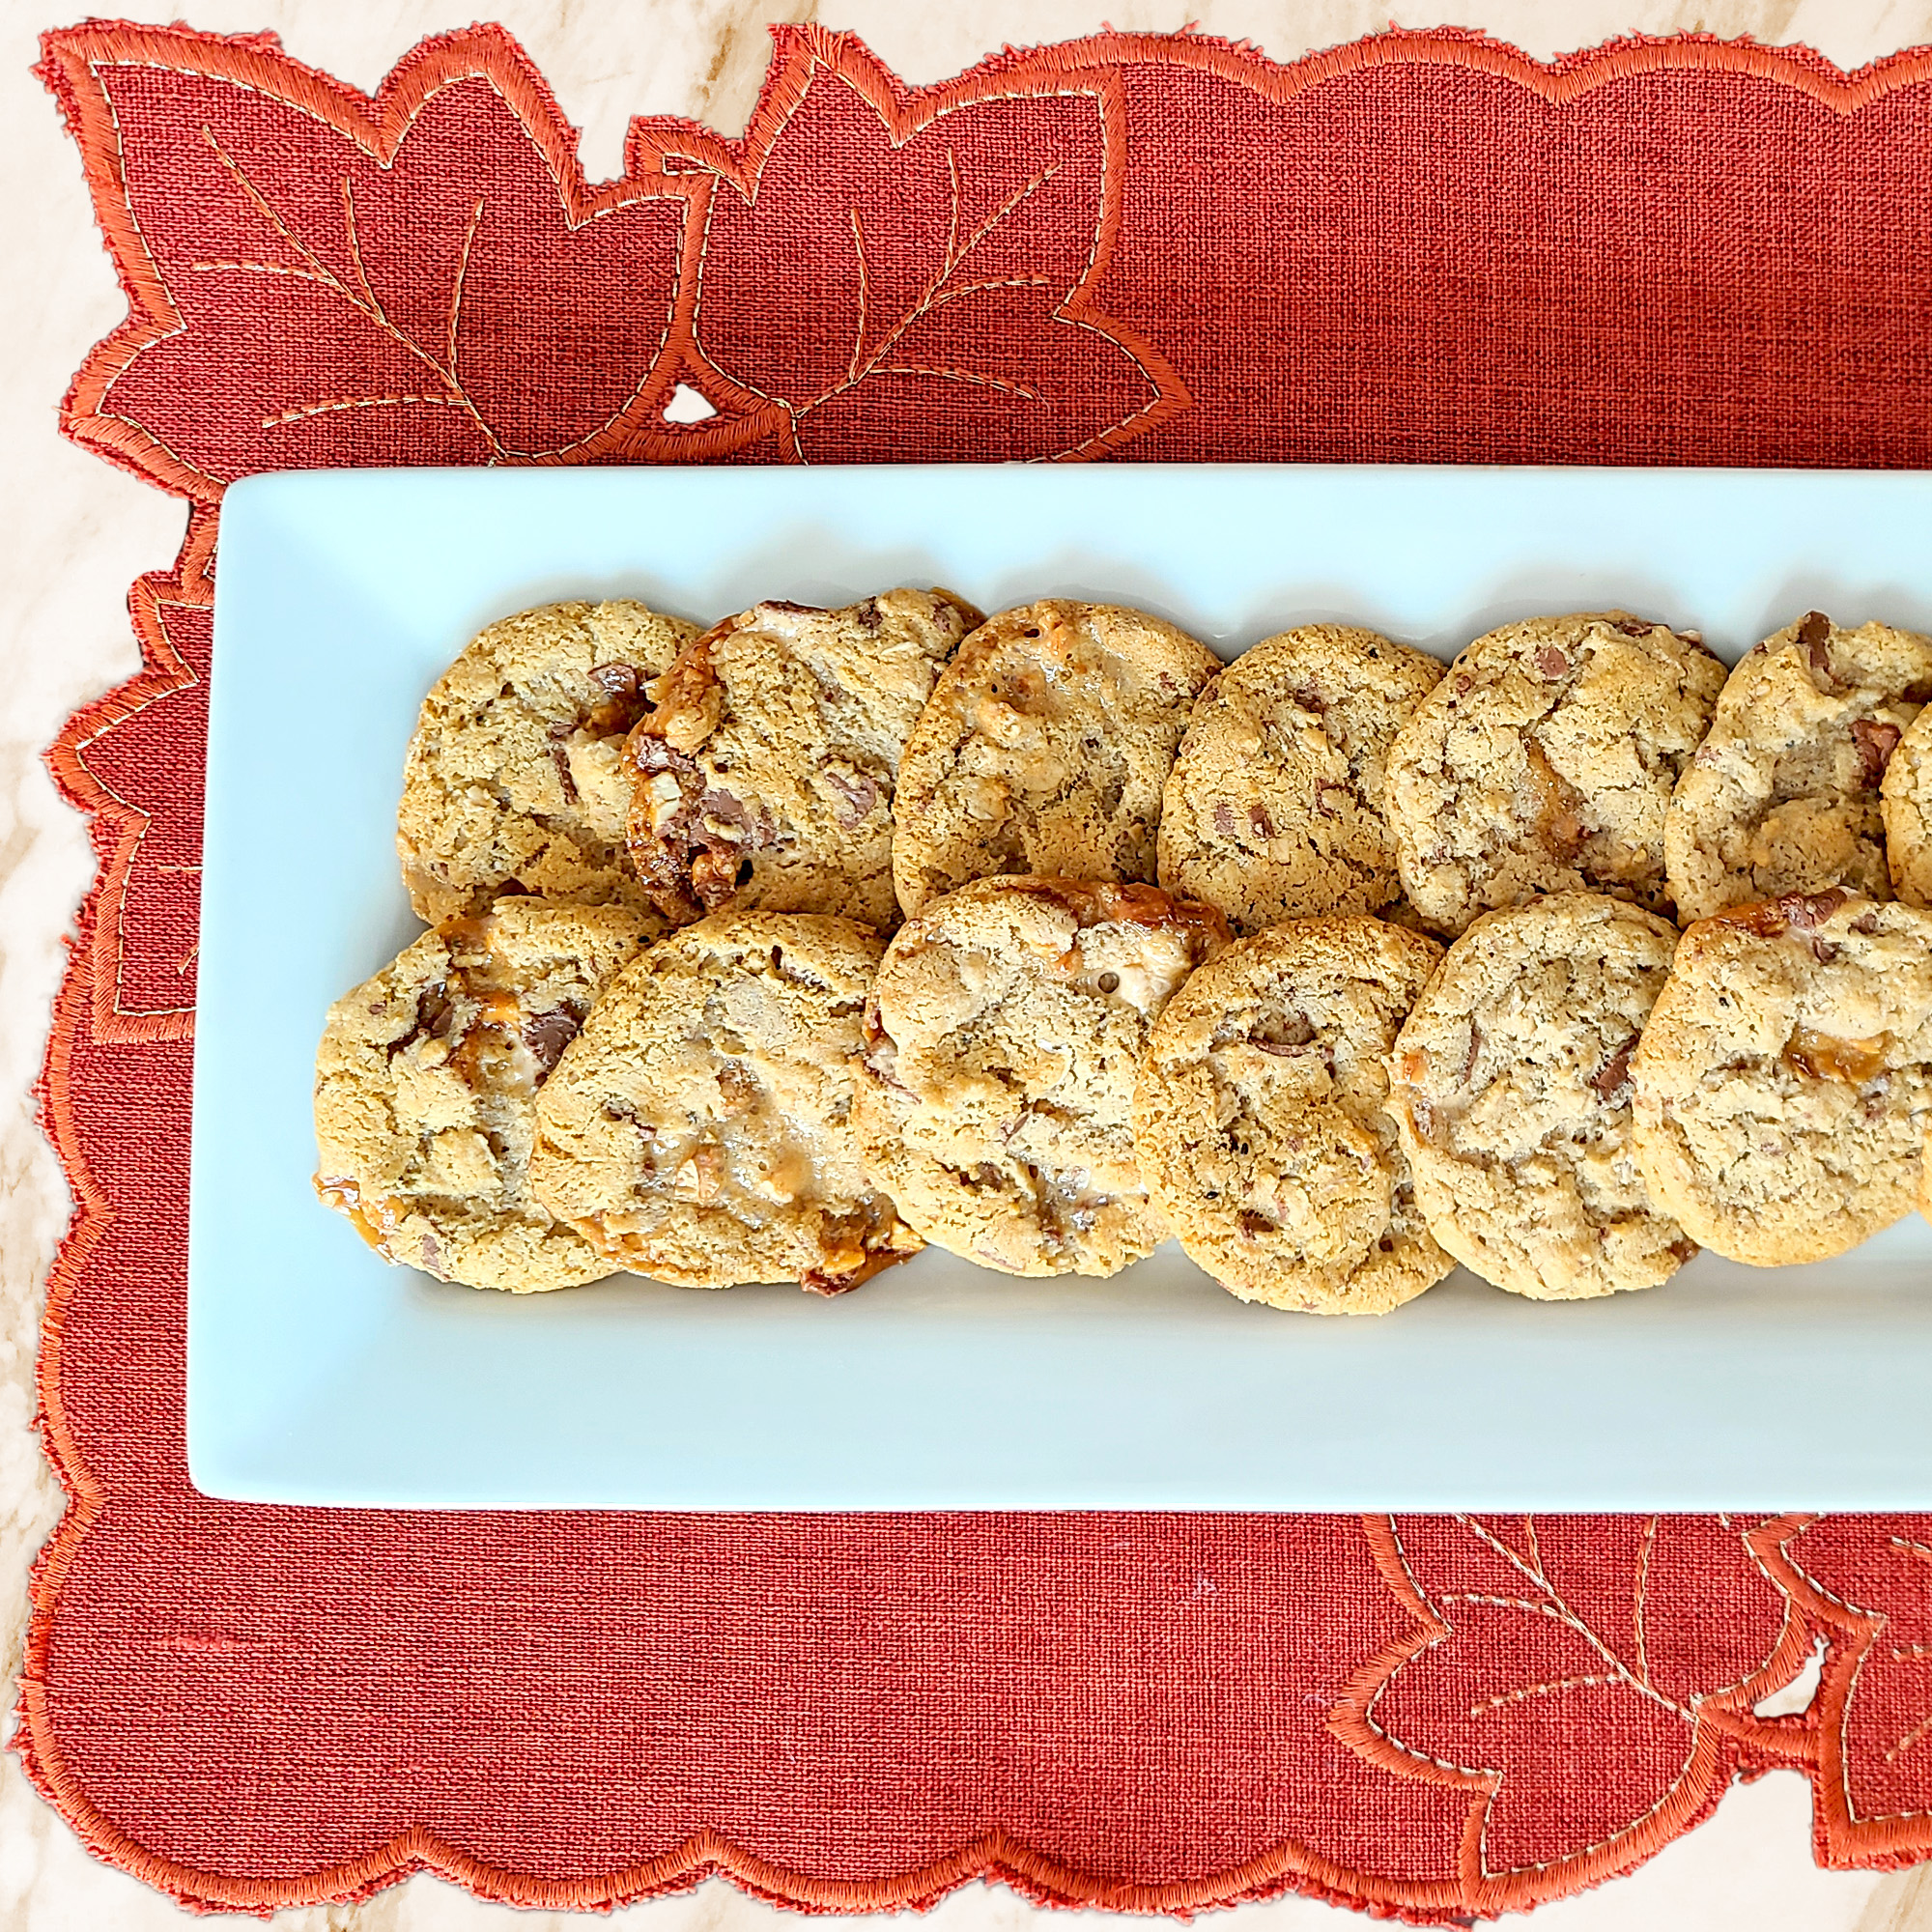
[889, 274]
[1587, 1680]
[321, 278]
[121, 759]
[1868, 1580]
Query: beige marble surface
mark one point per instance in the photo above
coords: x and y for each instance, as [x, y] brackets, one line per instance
[79, 533]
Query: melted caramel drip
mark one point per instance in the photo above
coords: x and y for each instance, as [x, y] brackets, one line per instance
[346, 1198]
[1823, 1055]
[1556, 803]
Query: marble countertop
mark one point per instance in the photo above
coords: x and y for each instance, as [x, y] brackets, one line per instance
[82, 532]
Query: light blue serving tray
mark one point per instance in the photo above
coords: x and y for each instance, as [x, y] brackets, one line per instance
[318, 1375]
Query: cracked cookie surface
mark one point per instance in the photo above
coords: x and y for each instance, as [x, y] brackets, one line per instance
[1544, 762]
[1511, 1088]
[763, 777]
[1905, 800]
[426, 1087]
[1783, 795]
[700, 1129]
[1262, 1124]
[1784, 1083]
[513, 781]
[1044, 748]
[1273, 810]
[1001, 1041]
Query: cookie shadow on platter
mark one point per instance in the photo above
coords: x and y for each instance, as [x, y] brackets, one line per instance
[573, 586]
[1092, 574]
[1506, 599]
[1850, 601]
[805, 561]
[1165, 1285]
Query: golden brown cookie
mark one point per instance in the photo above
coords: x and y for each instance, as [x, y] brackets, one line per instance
[699, 1128]
[512, 780]
[1044, 748]
[1273, 810]
[1905, 799]
[1544, 762]
[763, 777]
[426, 1088]
[1511, 1088]
[1783, 796]
[1784, 1082]
[1262, 1124]
[1002, 1039]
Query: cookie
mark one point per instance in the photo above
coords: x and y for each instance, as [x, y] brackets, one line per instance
[996, 1094]
[1784, 1083]
[1511, 1090]
[763, 777]
[1261, 1120]
[513, 781]
[1273, 810]
[1544, 762]
[1043, 749]
[1905, 800]
[699, 1128]
[426, 1089]
[1783, 796]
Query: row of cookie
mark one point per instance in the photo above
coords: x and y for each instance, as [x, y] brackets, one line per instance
[1330, 1113]
[862, 761]
[1049, 1076]
[538, 1095]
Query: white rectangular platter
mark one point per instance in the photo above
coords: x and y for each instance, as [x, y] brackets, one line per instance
[318, 1375]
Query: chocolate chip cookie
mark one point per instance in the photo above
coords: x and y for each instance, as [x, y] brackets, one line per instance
[1262, 1124]
[1544, 762]
[426, 1088]
[764, 774]
[1511, 1090]
[1784, 1082]
[1044, 748]
[699, 1128]
[1905, 799]
[1002, 1039]
[512, 781]
[1273, 810]
[1783, 796]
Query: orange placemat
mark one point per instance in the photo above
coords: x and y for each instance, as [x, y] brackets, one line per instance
[1420, 246]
